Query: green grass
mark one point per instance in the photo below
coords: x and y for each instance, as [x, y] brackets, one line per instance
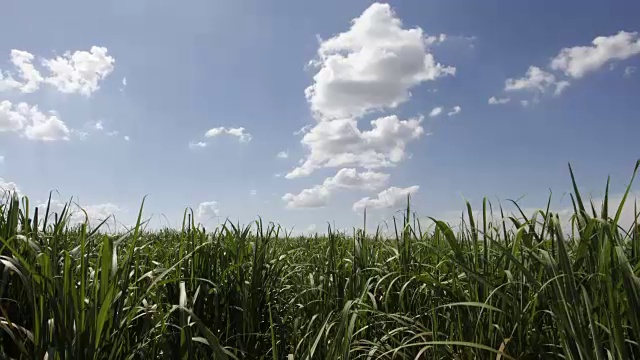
[497, 287]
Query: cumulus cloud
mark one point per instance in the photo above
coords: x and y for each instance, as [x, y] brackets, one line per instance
[46, 127]
[629, 70]
[7, 82]
[98, 125]
[436, 111]
[240, 133]
[580, 60]
[78, 72]
[391, 197]
[283, 154]
[197, 145]
[31, 77]
[575, 62]
[127, 138]
[454, 111]
[207, 210]
[535, 79]
[12, 119]
[31, 122]
[93, 214]
[317, 196]
[561, 86]
[371, 66]
[498, 101]
[340, 143]
[347, 178]
[6, 186]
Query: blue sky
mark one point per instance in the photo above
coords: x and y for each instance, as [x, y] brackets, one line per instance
[332, 67]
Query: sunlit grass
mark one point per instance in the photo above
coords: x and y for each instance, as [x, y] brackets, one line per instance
[500, 286]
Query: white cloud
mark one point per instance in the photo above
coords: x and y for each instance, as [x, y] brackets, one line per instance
[317, 196]
[436, 111]
[561, 86]
[7, 82]
[46, 128]
[535, 79]
[113, 133]
[78, 213]
[390, 197]
[498, 101]
[580, 60]
[127, 138]
[348, 178]
[80, 134]
[303, 130]
[6, 186]
[124, 81]
[22, 60]
[454, 111]
[283, 154]
[31, 122]
[351, 179]
[97, 213]
[629, 70]
[207, 210]
[77, 72]
[10, 119]
[340, 143]
[372, 66]
[98, 125]
[1, 159]
[253, 192]
[524, 103]
[80, 71]
[196, 145]
[237, 132]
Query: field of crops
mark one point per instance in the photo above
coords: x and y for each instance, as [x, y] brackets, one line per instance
[499, 286]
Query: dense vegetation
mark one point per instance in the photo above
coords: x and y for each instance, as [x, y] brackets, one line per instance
[500, 286]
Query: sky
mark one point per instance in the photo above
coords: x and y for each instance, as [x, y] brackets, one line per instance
[309, 112]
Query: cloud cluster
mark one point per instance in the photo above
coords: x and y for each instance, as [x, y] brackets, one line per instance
[391, 197]
[339, 143]
[580, 60]
[7, 186]
[31, 123]
[240, 133]
[574, 63]
[78, 72]
[348, 178]
[93, 214]
[207, 210]
[436, 111]
[498, 101]
[454, 111]
[370, 67]
[629, 71]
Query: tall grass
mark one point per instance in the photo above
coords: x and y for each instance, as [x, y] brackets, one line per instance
[500, 287]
